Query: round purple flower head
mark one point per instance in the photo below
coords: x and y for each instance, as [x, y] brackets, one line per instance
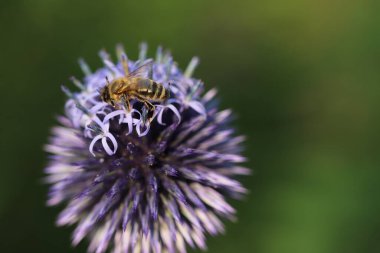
[138, 180]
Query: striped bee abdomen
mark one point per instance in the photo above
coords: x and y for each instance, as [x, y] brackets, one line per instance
[157, 91]
[152, 90]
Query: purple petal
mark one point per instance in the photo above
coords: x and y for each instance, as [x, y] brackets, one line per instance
[98, 137]
[198, 107]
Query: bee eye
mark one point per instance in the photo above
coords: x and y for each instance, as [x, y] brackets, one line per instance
[105, 96]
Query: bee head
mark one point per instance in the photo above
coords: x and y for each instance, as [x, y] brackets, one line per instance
[105, 96]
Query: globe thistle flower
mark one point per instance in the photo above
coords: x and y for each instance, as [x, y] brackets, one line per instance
[139, 183]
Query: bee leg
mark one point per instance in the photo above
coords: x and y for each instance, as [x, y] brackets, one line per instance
[168, 90]
[148, 105]
[151, 108]
[116, 106]
[126, 103]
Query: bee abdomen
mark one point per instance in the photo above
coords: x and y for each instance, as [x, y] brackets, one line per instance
[159, 92]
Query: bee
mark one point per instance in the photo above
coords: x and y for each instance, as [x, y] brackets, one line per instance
[134, 85]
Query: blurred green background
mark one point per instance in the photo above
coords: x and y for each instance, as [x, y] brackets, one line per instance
[302, 76]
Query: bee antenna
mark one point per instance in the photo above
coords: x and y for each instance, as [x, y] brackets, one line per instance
[108, 81]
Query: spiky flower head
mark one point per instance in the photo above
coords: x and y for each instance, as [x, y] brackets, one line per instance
[138, 183]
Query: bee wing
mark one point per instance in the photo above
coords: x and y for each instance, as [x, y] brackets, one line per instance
[143, 70]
